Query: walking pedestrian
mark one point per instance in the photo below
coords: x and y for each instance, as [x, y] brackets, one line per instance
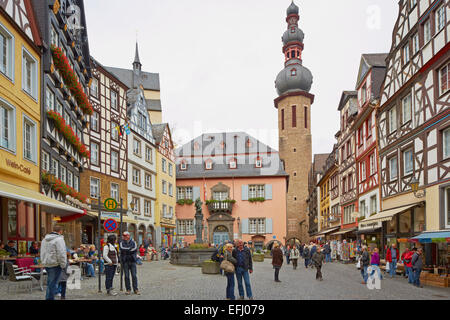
[327, 252]
[288, 253]
[277, 260]
[365, 262]
[407, 261]
[317, 259]
[306, 256]
[312, 251]
[54, 259]
[228, 255]
[111, 260]
[128, 258]
[404, 254]
[294, 256]
[417, 265]
[392, 256]
[62, 283]
[375, 263]
[244, 266]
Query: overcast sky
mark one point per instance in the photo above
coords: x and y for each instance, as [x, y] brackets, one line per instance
[218, 59]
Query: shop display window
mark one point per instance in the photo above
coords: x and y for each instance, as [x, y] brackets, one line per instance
[392, 226]
[21, 220]
[419, 219]
[405, 222]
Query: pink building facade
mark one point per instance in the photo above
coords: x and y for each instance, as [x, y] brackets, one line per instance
[242, 185]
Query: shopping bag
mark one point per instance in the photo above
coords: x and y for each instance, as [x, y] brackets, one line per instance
[358, 264]
[388, 266]
[227, 266]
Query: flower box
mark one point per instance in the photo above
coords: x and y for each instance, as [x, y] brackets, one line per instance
[258, 257]
[59, 186]
[70, 79]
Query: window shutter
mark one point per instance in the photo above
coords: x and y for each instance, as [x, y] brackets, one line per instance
[245, 226]
[268, 191]
[269, 228]
[196, 193]
[245, 193]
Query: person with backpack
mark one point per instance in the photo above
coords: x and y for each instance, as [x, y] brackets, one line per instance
[110, 257]
[306, 256]
[294, 256]
[407, 261]
[327, 252]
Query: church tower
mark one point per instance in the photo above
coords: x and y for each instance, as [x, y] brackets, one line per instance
[294, 125]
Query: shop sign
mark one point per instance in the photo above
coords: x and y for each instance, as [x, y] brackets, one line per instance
[110, 204]
[141, 219]
[369, 225]
[355, 214]
[19, 167]
[110, 215]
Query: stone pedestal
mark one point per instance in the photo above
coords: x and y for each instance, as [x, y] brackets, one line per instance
[210, 267]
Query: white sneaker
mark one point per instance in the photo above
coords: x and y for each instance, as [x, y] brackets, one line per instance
[58, 295]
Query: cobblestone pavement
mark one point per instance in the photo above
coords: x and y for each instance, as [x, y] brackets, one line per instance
[159, 280]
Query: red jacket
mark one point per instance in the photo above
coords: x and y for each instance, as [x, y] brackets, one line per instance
[407, 258]
[389, 255]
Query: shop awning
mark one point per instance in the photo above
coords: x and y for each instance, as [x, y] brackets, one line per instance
[429, 237]
[321, 233]
[47, 204]
[125, 219]
[343, 231]
[387, 215]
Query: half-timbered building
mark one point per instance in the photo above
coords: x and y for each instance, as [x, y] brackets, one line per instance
[348, 108]
[372, 71]
[414, 124]
[65, 105]
[105, 175]
[313, 200]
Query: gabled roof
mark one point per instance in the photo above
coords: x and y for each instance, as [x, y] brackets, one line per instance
[319, 161]
[368, 61]
[344, 98]
[150, 81]
[158, 131]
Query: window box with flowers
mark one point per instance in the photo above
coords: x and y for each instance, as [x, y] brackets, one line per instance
[59, 186]
[259, 199]
[68, 133]
[182, 202]
[70, 80]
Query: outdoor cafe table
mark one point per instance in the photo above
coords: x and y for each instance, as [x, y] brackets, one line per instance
[80, 263]
[41, 278]
[3, 259]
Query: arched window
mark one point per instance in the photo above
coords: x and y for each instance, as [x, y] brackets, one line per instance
[293, 72]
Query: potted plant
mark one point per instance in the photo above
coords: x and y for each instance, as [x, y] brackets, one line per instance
[258, 256]
[210, 267]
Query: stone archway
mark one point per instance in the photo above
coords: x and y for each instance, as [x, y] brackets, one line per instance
[220, 220]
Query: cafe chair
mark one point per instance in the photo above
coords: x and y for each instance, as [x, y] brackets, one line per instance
[20, 278]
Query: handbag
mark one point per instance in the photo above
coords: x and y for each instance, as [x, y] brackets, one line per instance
[358, 265]
[388, 266]
[227, 266]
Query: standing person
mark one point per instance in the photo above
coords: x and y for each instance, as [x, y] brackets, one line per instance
[312, 251]
[128, 257]
[407, 260]
[417, 266]
[294, 256]
[228, 255]
[142, 251]
[392, 256]
[277, 260]
[54, 259]
[301, 249]
[244, 266]
[327, 252]
[317, 259]
[365, 262]
[288, 253]
[62, 283]
[404, 254]
[306, 255]
[375, 263]
[111, 259]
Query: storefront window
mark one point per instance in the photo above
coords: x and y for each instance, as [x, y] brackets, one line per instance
[419, 219]
[405, 222]
[12, 218]
[392, 226]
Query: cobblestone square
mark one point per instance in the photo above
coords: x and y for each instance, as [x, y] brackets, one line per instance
[159, 280]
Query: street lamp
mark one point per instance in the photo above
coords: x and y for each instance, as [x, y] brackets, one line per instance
[414, 184]
[132, 206]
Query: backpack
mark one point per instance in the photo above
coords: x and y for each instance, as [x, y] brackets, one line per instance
[306, 252]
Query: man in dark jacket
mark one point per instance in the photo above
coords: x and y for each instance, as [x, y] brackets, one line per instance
[11, 249]
[317, 259]
[365, 262]
[417, 266]
[306, 255]
[327, 252]
[244, 266]
[128, 257]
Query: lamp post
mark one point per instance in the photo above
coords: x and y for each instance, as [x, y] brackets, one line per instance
[414, 184]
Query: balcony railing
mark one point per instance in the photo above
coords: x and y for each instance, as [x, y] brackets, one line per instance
[220, 206]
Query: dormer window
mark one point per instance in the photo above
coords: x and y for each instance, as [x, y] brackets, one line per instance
[196, 146]
[233, 164]
[183, 165]
[258, 163]
[208, 164]
[249, 143]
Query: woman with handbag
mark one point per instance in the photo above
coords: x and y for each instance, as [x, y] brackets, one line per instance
[228, 265]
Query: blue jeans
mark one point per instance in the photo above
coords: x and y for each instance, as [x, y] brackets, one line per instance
[416, 277]
[410, 274]
[288, 260]
[101, 265]
[393, 267]
[110, 271]
[306, 262]
[364, 273]
[230, 286]
[127, 268]
[90, 269]
[241, 273]
[328, 257]
[62, 288]
[53, 275]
